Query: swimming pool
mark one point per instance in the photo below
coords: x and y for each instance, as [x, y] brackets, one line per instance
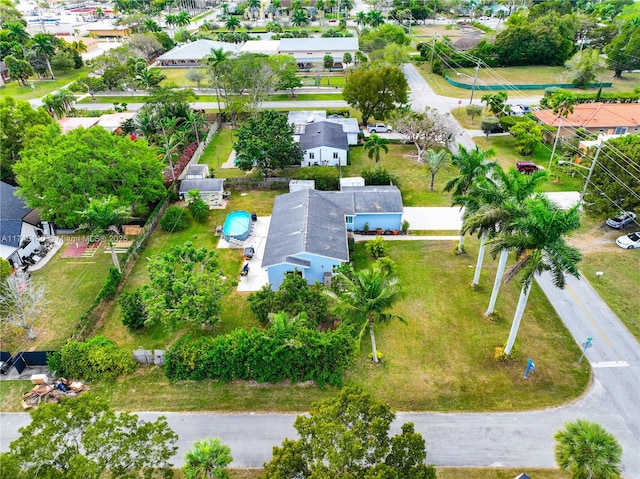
[237, 225]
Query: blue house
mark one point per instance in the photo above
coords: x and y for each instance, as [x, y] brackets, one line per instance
[308, 230]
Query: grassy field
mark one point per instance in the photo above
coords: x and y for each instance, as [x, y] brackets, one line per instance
[72, 284]
[515, 76]
[41, 87]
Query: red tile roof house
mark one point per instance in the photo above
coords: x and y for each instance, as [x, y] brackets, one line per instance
[606, 118]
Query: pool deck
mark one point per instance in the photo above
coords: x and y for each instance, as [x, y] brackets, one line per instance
[257, 276]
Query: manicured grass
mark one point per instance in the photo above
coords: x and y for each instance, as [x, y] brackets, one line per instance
[413, 177]
[217, 153]
[460, 114]
[42, 87]
[11, 393]
[72, 285]
[560, 177]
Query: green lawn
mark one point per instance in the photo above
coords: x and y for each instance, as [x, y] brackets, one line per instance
[72, 285]
[42, 87]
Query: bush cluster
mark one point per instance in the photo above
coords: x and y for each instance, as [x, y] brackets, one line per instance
[133, 312]
[180, 165]
[378, 177]
[327, 178]
[175, 219]
[96, 359]
[263, 356]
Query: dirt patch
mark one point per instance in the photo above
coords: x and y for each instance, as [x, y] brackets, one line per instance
[597, 239]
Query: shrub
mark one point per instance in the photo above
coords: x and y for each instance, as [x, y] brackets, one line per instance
[110, 284]
[404, 227]
[133, 312]
[378, 248]
[174, 220]
[327, 178]
[5, 269]
[96, 359]
[378, 177]
[489, 125]
[199, 210]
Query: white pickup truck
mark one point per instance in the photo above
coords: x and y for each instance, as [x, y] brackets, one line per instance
[379, 128]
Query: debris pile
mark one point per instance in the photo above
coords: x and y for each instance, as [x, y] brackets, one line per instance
[44, 392]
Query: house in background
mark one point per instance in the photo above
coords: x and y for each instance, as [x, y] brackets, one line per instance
[192, 54]
[324, 144]
[301, 119]
[308, 51]
[211, 190]
[19, 226]
[598, 118]
[309, 228]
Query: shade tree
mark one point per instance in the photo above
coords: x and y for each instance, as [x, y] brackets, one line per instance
[21, 303]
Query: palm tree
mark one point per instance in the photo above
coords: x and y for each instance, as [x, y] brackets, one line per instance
[366, 297]
[536, 235]
[216, 58]
[254, 8]
[375, 18]
[232, 23]
[472, 164]
[562, 104]
[435, 161]
[587, 451]
[171, 21]
[43, 45]
[373, 145]
[17, 33]
[207, 459]
[299, 18]
[183, 18]
[196, 120]
[150, 25]
[149, 77]
[59, 103]
[79, 46]
[487, 210]
[361, 18]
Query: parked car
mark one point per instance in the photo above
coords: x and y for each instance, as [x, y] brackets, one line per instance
[623, 219]
[379, 128]
[630, 241]
[483, 18]
[526, 167]
[441, 18]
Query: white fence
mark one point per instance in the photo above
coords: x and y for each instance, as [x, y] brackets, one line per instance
[195, 159]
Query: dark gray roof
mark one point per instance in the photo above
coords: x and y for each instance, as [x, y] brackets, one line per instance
[324, 133]
[203, 184]
[312, 221]
[13, 211]
[198, 50]
[305, 221]
[196, 169]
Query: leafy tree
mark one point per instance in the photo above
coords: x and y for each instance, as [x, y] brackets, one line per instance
[20, 122]
[174, 219]
[376, 92]
[63, 61]
[473, 111]
[82, 437]
[133, 313]
[21, 303]
[348, 436]
[328, 61]
[380, 37]
[207, 460]
[195, 75]
[365, 298]
[186, 285]
[536, 234]
[604, 196]
[436, 161]
[267, 143]
[584, 67]
[293, 297]
[527, 134]
[373, 145]
[85, 164]
[587, 451]
[19, 70]
[496, 103]
[622, 52]
[430, 129]
[381, 176]
[146, 45]
[489, 124]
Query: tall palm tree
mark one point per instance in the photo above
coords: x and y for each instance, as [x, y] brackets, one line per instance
[562, 104]
[254, 8]
[150, 25]
[59, 103]
[44, 46]
[299, 18]
[361, 18]
[375, 18]
[17, 33]
[366, 297]
[472, 164]
[232, 23]
[183, 18]
[488, 208]
[587, 451]
[207, 459]
[536, 234]
[196, 120]
[373, 145]
[215, 59]
[79, 46]
[436, 161]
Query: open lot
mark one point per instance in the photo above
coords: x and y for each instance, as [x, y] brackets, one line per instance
[41, 87]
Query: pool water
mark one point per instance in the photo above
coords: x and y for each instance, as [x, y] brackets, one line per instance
[237, 225]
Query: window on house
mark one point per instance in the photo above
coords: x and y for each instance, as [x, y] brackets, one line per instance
[349, 220]
[621, 130]
[312, 156]
[335, 155]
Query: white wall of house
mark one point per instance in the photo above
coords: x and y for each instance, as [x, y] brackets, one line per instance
[324, 156]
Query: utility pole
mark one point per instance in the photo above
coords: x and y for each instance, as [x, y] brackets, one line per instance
[433, 50]
[475, 79]
[593, 165]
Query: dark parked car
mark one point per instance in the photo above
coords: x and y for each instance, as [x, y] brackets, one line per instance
[623, 219]
[526, 167]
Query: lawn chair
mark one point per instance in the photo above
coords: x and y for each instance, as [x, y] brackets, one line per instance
[245, 270]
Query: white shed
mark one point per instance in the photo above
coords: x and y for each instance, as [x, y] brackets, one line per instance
[351, 181]
[299, 185]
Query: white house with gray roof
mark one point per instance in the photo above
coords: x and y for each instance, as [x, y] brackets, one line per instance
[192, 54]
[324, 144]
[211, 190]
[301, 119]
[19, 226]
[308, 51]
[309, 228]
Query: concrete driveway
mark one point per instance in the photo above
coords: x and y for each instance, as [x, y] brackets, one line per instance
[436, 218]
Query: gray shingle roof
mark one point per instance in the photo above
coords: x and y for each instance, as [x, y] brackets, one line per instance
[312, 221]
[324, 133]
[196, 169]
[204, 185]
[13, 210]
[315, 44]
[197, 50]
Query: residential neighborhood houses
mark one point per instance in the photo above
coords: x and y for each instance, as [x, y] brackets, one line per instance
[199, 223]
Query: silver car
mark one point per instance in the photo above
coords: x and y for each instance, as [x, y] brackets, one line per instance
[623, 219]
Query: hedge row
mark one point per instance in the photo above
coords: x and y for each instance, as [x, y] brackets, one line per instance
[263, 356]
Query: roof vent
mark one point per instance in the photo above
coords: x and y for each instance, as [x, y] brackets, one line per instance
[310, 119]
